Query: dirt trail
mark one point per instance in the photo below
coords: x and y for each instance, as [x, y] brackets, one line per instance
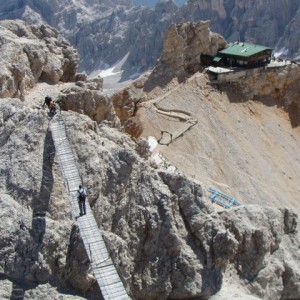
[35, 96]
[185, 119]
[246, 149]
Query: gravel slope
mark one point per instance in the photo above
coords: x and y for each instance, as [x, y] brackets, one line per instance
[246, 149]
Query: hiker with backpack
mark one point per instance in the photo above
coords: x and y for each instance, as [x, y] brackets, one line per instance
[81, 196]
[47, 101]
[50, 102]
[52, 107]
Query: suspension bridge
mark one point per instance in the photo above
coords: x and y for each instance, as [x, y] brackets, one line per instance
[109, 281]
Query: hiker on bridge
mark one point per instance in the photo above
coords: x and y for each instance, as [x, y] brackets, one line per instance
[47, 101]
[50, 102]
[81, 196]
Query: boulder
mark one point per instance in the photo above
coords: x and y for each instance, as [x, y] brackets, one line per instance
[30, 54]
[85, 99]
[186, 42]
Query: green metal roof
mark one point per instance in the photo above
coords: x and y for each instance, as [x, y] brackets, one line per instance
[243, 49]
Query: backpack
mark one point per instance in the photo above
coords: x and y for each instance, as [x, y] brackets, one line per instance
[48, 100]
[81, 196]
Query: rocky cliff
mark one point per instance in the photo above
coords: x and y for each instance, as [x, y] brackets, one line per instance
[185, 43]
[104, 33]
[288, 44]
[30, 54]
[164, 234]
[258, 22]
[160, 227]
[277, 85]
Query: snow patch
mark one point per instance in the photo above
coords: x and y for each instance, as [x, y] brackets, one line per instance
[114, 70]
[152, 142]
[109, 72]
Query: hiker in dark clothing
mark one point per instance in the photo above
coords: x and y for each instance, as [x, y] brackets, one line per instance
[52, 107]
[48, 100]
[81, 196]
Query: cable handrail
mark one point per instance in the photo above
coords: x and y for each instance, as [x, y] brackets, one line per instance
[109, 276]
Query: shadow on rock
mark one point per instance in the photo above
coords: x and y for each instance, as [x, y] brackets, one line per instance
[41, 201]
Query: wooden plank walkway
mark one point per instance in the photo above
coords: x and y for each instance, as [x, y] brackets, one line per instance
[103, 267]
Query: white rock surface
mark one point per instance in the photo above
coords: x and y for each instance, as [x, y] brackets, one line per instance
[30, 54]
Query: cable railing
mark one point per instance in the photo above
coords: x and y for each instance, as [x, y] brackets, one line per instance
[106, 274]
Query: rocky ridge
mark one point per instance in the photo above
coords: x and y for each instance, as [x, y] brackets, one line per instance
[30, 54]
[106, 32]
[161, 228]
[277, 85]
[185, 43]
[183, 46]
[164, 234]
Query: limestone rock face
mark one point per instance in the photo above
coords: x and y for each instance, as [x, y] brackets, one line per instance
[84, 98]
[274, 85]
[36, 225]
[186, 246]
[105, 32]
[126, 104]
[28, 211]
[162, 231]
[248, 21]
[180, 58]
[32, 53]
[289, 45]
[184, 44]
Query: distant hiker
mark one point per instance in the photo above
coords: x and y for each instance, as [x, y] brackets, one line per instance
[52, 107]
[48, 99]
[81, 196]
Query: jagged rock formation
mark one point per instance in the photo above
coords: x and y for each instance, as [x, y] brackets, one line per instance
[35, 223]
[104, 33]
[236, 107]
[259, 21]
[152, 3]
[160, 227]
[183, 46]
[164, 234]
[30, 54]
[183, 240]
[279, 85]
[289, 44]
[87, 98]
[185, 43]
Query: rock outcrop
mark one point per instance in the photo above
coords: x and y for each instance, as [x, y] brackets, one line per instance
[185, 43]
[160, 227]
[258, 22]
[278, 85]
[104, 33]
[183, 46]
[163, 232]
[87, 98]
[289, 43]
[30, 54]
[35, 217]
